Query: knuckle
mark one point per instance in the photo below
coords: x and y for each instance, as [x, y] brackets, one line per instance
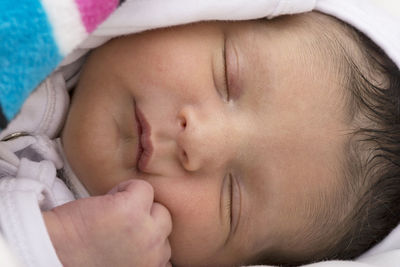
[163, 253]
[162, 217]
[166, 254]
[168, 250]
[144, 187]
[138, 196]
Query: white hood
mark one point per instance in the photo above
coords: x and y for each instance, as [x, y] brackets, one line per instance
[139, 15]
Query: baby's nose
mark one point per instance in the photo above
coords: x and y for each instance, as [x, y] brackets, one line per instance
[203, 140]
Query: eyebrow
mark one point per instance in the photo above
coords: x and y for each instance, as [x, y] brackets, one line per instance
[248, 63]
[236, 43]
[251, 66]
[233, 69]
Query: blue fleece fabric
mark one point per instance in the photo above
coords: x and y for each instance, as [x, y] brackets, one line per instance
[28, 52]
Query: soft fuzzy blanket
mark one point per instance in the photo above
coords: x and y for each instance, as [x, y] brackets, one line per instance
[35, 35]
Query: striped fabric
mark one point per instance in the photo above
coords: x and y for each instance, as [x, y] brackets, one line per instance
[35, 35]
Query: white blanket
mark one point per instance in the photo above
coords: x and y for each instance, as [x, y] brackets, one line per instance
[139, 15]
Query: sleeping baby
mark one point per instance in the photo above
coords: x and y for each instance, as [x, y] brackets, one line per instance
[231, 143]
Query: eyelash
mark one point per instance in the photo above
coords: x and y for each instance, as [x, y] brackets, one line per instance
[226, 84]
[229, 205]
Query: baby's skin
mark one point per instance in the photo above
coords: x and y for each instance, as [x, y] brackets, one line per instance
[238, 127]
[123, 228]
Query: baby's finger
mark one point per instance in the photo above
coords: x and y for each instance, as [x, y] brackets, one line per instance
[162, 217]
[138, 193]
[167, 253]
[119, 187]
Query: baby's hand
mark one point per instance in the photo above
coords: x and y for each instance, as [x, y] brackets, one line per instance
[123, 228]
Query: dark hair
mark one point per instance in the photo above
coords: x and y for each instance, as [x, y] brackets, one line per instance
[373, 163]
[367, 204]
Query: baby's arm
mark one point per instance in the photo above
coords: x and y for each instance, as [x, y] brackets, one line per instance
[123, 228]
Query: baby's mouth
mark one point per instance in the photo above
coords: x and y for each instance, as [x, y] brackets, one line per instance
[145, 147]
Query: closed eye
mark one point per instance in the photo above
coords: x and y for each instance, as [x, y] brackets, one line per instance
[230, 199]
[226, 73]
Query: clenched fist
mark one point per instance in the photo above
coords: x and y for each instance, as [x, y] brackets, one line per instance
[123, 228]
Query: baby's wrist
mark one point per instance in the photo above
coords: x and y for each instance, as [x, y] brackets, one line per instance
[61, 237]
[53, 228]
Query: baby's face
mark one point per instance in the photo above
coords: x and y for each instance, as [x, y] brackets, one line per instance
[244, 132]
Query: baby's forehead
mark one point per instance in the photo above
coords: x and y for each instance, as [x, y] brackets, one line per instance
[322, 37]
[306, 40]
[319, 32]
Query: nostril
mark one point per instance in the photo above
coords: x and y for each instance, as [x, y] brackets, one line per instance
[184, 156]
[183, 123]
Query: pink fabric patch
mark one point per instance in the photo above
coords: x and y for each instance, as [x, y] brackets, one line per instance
[94, 12]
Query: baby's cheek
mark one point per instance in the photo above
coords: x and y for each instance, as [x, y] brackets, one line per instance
[194, 205]
[196, 235]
